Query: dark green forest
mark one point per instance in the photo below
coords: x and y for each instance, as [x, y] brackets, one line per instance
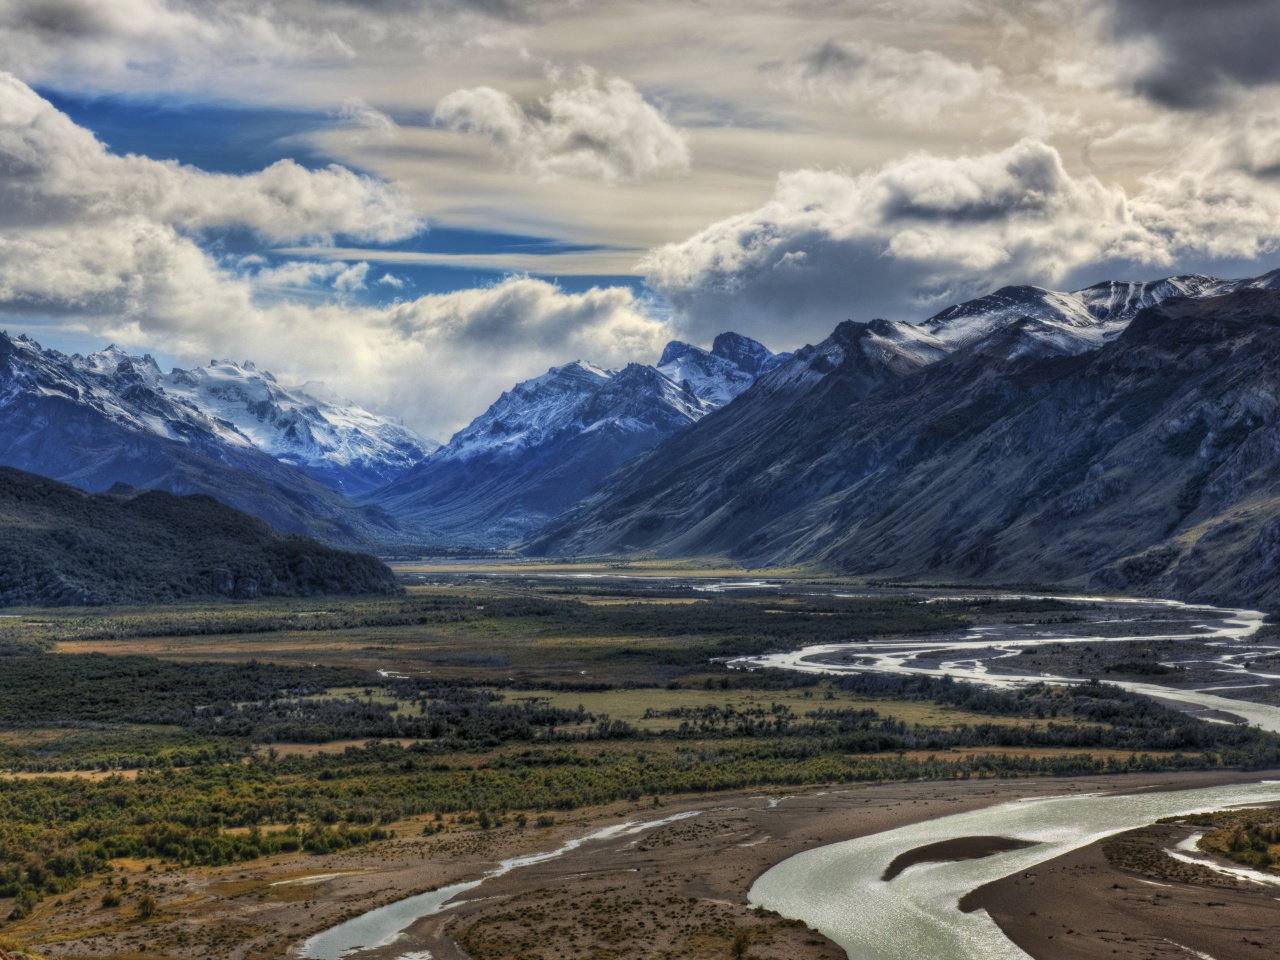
[60, 546]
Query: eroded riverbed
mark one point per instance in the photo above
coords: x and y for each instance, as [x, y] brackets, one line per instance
[838, 889]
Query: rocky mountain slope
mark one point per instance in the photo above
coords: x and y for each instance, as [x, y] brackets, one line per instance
[1149, 462]
[548, 441]
[311, 427]
[733, 363]
[94, 423]
[60, 546]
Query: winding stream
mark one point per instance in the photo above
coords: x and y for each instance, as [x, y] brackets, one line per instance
[383, 926]
[976, 657]
[837, 889]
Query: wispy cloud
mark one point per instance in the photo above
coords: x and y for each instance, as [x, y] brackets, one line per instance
[911, 86]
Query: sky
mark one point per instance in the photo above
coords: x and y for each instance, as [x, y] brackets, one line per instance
[422, 202]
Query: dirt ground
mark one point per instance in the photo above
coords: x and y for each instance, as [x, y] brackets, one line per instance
[675, 890]
[1082, 906]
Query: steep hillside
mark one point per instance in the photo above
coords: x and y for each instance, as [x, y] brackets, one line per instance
[60, 546]
[1151, 463]
[323, 434]
[548, 441]
[61, 421]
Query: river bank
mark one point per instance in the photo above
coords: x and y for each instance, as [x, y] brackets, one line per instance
[1082, 906]
[680, 889]
[677, 889]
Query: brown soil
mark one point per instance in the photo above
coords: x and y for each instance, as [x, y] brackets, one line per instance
[678, 890]
[1123, 897]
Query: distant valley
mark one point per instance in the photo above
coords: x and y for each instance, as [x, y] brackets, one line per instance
[1119, 437]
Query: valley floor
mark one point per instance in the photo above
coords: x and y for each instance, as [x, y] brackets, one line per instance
[678, 890]
[1083, 906]
[227, 780]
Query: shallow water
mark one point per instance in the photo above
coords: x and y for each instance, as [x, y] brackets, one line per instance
[971, 657]
[837, 889]
[381, 927]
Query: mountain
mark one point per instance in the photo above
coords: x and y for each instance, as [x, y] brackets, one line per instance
[718, 375]
[970, 322]
[701, 466]
[1148, 463]
[99, 421]
[548, 441]
[60, 546]
[1023, 321]
[311, 427]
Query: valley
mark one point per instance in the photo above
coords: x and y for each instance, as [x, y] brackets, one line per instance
[544, 480]
[649, 637]
[286, 764]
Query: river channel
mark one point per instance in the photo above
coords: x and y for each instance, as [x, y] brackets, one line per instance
[837, 888]
[383, 926]
[985, 655]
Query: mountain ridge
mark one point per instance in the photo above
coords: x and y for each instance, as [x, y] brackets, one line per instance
[985, 467]
[60, 546]
[60, 422]
[547, 441]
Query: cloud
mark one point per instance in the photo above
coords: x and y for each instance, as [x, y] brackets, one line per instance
[445, 357]
[201, 45]
[916, 233]
[914, 87]
[600, 129]
[110, 246]
[1222, 197]
[378, 126]
[1188, 54]
[55, 173]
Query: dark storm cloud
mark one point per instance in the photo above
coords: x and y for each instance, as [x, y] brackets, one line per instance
[1201, 50]
[832, 57]
[68, 18]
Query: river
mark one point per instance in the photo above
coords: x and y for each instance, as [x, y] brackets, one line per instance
[837, 889]
[980, 655]
[383, 926]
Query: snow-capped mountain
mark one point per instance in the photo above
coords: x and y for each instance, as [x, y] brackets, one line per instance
[1150, 464]
[1026, 321]
[1119, 299]
[718, 375]
[529, 414]
[969, 322]
[547, 441]
[104, 420]
[310, 427]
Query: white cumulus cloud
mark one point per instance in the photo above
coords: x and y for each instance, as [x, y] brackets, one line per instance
[110, 246]
[927, 229]
[53, 172]
[600, 129]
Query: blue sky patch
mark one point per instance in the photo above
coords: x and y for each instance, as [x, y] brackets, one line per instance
[219, 138]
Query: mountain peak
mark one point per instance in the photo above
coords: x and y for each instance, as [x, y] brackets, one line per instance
[749, 355]
[674, 351]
